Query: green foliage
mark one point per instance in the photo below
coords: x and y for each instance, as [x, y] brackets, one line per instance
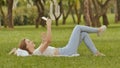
[22, 3]
[25, 16]
[2, 3]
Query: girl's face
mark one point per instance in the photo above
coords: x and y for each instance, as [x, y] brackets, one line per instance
[29, 43]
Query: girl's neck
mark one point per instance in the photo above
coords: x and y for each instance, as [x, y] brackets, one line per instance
[31, 50]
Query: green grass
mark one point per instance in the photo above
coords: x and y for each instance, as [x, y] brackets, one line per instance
[108, 43]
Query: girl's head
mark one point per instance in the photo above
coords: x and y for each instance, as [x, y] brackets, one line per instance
[27, 45]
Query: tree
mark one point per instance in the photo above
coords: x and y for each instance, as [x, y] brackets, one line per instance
[40, 4]
[65, 12]
[87, 13]
[9, 14]
[2, 3]
[55, 10]
[117, 13]
[94, 9]
[101, 10]
[78, 9]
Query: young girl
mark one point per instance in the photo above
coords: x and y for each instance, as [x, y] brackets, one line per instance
[79, 34]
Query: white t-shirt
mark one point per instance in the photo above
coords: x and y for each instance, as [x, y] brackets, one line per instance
[48, 52]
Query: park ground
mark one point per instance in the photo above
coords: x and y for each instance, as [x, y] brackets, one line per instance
[108, 43]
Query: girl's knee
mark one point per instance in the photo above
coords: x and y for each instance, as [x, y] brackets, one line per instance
[84, 33]
[78, 26]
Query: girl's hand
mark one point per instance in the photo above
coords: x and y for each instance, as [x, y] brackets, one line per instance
[48, 21]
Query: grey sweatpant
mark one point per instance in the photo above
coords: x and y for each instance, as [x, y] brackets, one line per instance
[79, 34]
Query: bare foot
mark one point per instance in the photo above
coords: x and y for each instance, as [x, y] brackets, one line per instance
[101, 30]
[99, 54]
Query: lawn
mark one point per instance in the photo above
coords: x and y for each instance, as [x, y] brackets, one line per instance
[108, 43]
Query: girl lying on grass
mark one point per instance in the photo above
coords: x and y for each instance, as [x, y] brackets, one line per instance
[79, 34]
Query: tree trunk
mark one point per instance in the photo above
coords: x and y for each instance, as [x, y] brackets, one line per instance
[56, 10]
[64, 21]
[101, 10]
[87, 12]
[9, 15]
[105, 20]
[73, 17]
[57, 21]
[37, 20]
[78, 10]
[97, 20]
[66, 13]
[40, 8]
[92, 14]
[117, 14]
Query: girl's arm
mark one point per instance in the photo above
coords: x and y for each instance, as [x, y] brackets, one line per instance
[13, 51]
[47, 37]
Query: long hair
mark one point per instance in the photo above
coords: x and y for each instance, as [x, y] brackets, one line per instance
[23, 46]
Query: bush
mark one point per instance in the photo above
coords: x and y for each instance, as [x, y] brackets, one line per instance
[25, 16]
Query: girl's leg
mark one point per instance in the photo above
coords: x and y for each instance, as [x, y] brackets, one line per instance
[99, 30]
[76, 39]
[88, 29]
[76, 34]
[88, 42]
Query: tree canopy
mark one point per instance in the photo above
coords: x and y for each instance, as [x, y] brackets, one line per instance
[31, 11]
